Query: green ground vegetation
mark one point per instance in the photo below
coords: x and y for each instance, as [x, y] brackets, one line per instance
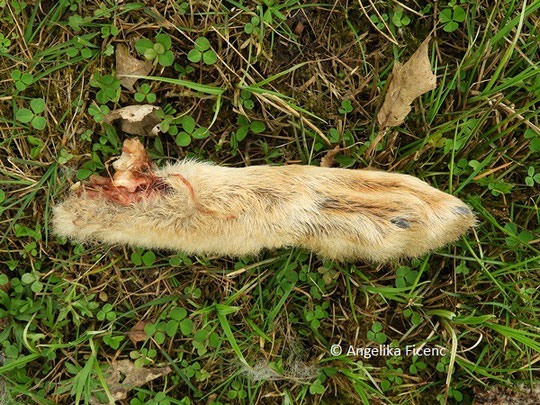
[270, 82]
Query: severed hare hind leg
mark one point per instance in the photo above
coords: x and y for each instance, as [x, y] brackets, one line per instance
[200, 208]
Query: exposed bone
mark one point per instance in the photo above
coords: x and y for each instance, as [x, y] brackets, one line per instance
[133, 180]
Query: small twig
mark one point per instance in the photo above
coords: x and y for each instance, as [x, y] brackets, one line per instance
[393, 40]
[285, 108]
[380, 135]
[408, 8]
[328, 160]
[480, 176]
[511, 111]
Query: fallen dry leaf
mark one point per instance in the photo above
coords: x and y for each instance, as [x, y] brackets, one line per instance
[134, 377]
[408, 82]
[137, 334]
[129, 65]
[329, 159]
[136, 119]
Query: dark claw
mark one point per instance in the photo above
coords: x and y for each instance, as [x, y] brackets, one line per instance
[400, 222]
[462, 210]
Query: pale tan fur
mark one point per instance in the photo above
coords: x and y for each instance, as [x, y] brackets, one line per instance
[337, 213]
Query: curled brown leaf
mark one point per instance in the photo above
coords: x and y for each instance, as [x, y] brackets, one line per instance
[136, 119]
[409, 81]
[127, 65]
[134, 377]
[137, 334]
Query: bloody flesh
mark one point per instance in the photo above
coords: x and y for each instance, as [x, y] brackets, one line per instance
[133, 180]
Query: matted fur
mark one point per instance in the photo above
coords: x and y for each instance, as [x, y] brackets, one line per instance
[339, 214]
